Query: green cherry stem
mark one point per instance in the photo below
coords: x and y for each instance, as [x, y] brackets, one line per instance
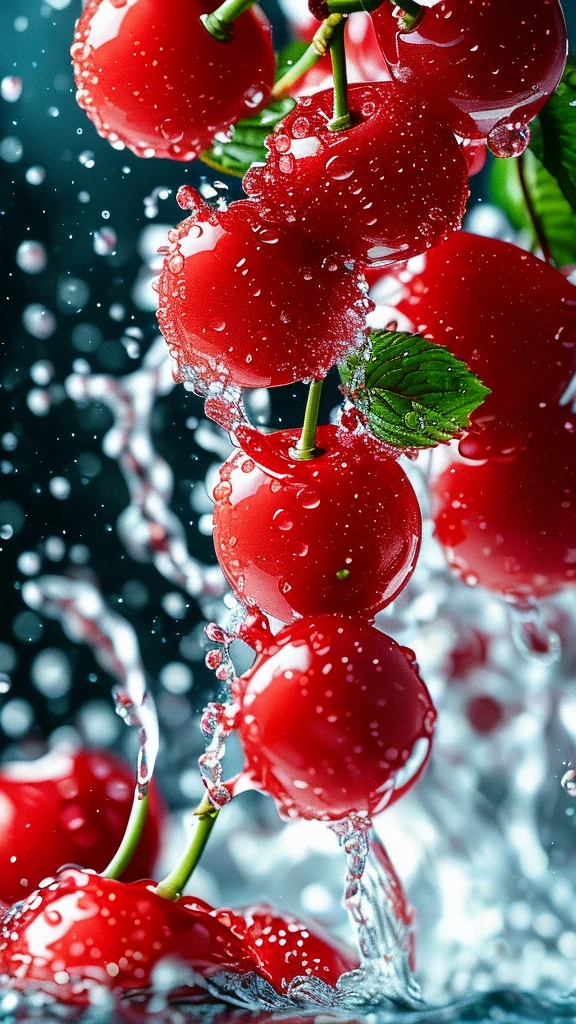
[172, 886]
[317, 49]
[535, 220]
[341, 118]
[132, 836]
[306, 446]
[219, 21]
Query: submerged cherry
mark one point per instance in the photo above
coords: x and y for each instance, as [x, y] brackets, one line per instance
[334, 719]
[511, 526]
[478, 63]
[506, 314]
[150, 76]
[336, 533]
[68, 809]
[79, 929]
[385, 189]
[285, 947]
[254, 306]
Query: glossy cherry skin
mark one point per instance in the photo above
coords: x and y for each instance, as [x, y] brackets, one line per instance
[338, 533]
[68, 809]
[149, 75]
[334, 719]
[286, 947]
[387, 188]
[480, 63]
[254, 306]
[474, 153]
[511, 525]
[506, 314]
[80, 928]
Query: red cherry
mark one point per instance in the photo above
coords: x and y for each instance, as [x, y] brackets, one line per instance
[149, 75]
[67, 809]
[480, 63]
[254, 306]
[470, 653]
[338, 533]
[484, 713]
[510, 317]
[511, 526]
[285, 947]
[334, 719]
[80, 928]
[387, 188]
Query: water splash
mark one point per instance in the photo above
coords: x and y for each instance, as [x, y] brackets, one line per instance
[219, 718]
[217, 723]
[382, 919]
[85, 618]
[147, 527]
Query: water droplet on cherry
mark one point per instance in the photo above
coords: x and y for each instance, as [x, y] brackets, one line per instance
[339, 168]
[508, 139]
[172, 130]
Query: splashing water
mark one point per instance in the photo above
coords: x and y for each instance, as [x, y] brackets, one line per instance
[217, 723]
[147, 527]
[85, 618]
[382, 920]
[219, 719]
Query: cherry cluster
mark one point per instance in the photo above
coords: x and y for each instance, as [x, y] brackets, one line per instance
[504, 511]
[318, 528]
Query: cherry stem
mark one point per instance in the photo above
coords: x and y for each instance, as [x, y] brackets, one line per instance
[218, 22]
[132, 836]
[537, 226]
[306, 447]
[341, 118]
[317, 49]
[172, 887]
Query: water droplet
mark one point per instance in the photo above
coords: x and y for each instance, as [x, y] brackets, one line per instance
[281, 143]
[282, 520]
[172, 130]
[308, 497]
[339, 168]
[300, 128]
[254, 96]
[508, 139]
[569, 782]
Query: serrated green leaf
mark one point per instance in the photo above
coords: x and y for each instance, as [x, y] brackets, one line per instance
[555, 216]
[413, 393]
[245, 146]
[246, 143]
[554, 134]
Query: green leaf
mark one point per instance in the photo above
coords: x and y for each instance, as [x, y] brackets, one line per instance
[554, 134]
[413, 393]
[288, 56]
[556, 217]
[245, 144]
